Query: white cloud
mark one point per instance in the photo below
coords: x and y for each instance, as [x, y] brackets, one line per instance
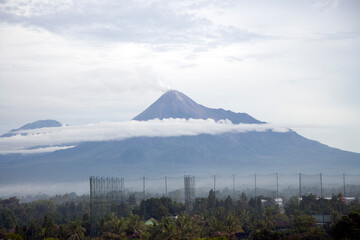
[150, 22]
[36, 150]
[106, 131]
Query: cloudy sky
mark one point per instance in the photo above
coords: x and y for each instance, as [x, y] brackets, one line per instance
[290, 63]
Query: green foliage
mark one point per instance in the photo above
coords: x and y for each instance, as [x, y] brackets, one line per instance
[212, 238]
[182, 227]
[8, 218]
[118, 228]
[304, 227]
[266, 234]
[292, 206]
[348, 227]
[302, 223]
[67, 217]
[49, 227]
[158, 208]
[76, 231]
[211, 201]
[13, 236]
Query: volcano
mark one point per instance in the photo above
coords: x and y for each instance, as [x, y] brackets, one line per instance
[174, 104]
[203, 154]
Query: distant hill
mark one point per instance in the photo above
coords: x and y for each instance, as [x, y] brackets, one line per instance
[33, 125]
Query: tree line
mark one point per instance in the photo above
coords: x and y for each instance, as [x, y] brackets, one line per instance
[68, 217]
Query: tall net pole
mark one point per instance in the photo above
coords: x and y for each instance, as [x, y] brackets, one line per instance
[300, 194]
[214, 184]
[122, 189]
[322, 200]
[166, 192]
[277, 185]
[166, 188]
[92, 217]
[255, 184]
[233, 178]
[144, 195]
[344, 193]
[255, 194]
[321, 187]
[344, 185]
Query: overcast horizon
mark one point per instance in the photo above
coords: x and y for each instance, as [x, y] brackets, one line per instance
[293, 64]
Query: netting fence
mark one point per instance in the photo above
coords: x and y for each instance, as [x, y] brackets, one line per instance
[107, 190]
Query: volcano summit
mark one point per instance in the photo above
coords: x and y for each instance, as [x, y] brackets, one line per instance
[174, 104]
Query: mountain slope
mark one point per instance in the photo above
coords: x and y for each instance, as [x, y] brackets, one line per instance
[204, 154]
[33, 125]
[174, 104]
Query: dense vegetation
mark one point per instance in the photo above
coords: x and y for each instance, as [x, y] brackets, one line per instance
[68, 217]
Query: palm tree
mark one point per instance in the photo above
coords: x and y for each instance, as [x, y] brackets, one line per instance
[232, 225]
[155, 231]
[114, 228]
[76, 231]
[62, 233]
[186, 227]
[134, 226]
[269, 218]
[169, 229]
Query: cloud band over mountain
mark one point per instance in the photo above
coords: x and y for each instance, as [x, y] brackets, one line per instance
[49, 139]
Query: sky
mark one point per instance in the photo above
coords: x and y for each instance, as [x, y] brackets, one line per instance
[291, 63]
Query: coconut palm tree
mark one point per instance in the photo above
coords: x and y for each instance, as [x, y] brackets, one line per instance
[169, 229]
[76, 231]
[135, 227]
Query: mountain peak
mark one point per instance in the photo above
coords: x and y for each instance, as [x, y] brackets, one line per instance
[174, 104]
[34, 125]
[39, 124]
[175, 94]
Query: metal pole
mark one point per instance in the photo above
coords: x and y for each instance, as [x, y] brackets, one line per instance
[144, 194]
[214, 183]
[255, 195]
[194, 188]
[234, 187]
[321, 188]
[166, 191]
[277, 185]
[107, 185]
[122, 186]
[299, 186]
[91, 208]
[344, 185]
[322, 200]
[255, 184]
[344, 193]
